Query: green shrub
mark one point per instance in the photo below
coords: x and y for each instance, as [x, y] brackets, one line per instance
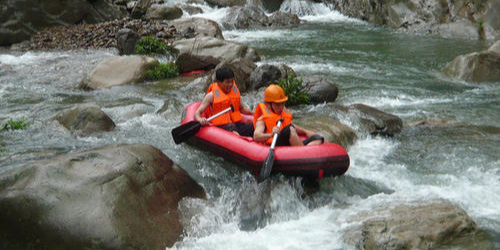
[148, 45]
[162, 71]
[295, 91]
[15, 125]
[2, 146]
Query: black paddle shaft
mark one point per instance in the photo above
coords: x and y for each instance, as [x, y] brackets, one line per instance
[265, 171]
[185, 131]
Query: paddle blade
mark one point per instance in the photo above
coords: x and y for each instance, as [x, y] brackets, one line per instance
[265, 171]
[185, 131]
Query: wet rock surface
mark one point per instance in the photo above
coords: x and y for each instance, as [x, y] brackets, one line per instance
[94, 36]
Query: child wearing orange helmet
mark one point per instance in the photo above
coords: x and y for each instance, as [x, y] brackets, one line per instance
[273, 109]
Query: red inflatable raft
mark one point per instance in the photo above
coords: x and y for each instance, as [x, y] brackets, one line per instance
[318, 161]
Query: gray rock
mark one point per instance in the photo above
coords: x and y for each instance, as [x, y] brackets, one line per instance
[140, 8]
[114, 197]
[331, 129]
[264, 75]
[117, 71]
[376, 122]
[84, 120]
[162, 12]
[283, 19]
[476, 67]
[437, 224]
[455, 19]
[242, 69]
[126, 39]
[218, 48]
[286, 71]
[191, 10]
[489, 17]
[226, 3]
[319, 89]
[188, 62]
[22, 18]
[197, 27]
[245, 18]
[272, 5]
[249, 17]
[495, 48]
[462, 29]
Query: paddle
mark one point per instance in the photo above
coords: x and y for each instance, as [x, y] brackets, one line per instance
[185, 131]
[265, 171]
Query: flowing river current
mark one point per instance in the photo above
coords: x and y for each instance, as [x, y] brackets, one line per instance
[456, 159]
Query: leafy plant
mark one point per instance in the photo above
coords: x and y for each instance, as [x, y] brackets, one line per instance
[480, 24]
[295, 91]
[2, 146]
[162, 71]
[12, 125]
[15, 125]
[149, 45]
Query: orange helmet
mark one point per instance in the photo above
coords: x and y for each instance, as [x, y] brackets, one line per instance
[275, 93]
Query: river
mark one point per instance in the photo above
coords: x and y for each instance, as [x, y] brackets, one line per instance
[456, 158]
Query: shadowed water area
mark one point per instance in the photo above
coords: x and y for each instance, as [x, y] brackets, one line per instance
[448, 147]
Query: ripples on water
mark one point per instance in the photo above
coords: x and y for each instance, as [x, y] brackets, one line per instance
[454, 155]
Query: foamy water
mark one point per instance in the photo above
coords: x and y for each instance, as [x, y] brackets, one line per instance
[457, 160]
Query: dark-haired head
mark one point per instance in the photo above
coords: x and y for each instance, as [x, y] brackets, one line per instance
[224, 73]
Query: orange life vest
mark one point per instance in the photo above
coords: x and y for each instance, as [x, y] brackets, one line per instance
[270, 118]
[223, 101]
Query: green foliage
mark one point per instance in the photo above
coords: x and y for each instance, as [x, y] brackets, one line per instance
[295, 91]
[162, 71]
[148, 45]
[15, 125]
[2, 146]
[12, 125]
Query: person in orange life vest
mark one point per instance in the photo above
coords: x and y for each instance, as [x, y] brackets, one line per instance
[220, 95]
[266, 116]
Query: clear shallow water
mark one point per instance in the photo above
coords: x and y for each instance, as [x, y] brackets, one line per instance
[456, 159]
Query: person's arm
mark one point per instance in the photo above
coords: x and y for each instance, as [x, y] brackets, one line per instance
[302, 131]
[245, 110]
[207, 101]
[259, 133]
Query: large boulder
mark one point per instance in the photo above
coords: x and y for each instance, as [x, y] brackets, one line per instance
[463, 29]
[117, 71]
[457, 19]
[162, 12]
[319, 89]
[437, 224]
[218, 48]
[488, 19]
[113, 197]
[264, 75]
[197, 27]
[140, 8]
[476, 67]
[245, 18]
[21, 18]
[331, 129]
[188, 62]
[242, 68]
[126, 40]
[84, 120]
[226, 3]
[283, 19]
[375, 121]
[250, 17]
[271, 5]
